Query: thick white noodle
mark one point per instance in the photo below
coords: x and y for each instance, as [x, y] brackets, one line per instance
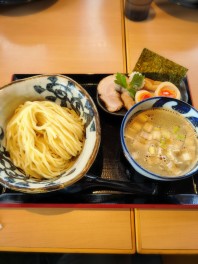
[43, 138]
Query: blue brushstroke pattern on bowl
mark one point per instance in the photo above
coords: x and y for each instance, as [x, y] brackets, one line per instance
[67, 93]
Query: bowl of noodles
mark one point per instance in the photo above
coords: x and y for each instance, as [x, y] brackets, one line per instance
[49, 133]
[159, 138]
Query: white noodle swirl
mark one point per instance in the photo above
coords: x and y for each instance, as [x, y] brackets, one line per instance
[43, 138]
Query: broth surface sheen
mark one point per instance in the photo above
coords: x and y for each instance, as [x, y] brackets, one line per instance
[162, 141]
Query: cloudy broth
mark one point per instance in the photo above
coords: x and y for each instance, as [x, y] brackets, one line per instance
[162, 142]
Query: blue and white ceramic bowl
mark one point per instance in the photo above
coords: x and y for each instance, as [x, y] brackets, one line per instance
[65, 92]
[186, 110]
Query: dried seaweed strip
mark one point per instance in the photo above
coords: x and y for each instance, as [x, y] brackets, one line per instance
[156, 67]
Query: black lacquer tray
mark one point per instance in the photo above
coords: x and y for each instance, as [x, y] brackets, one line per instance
[110, 182]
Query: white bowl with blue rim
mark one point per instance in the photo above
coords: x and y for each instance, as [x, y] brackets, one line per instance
[183, 108]
[65, 92]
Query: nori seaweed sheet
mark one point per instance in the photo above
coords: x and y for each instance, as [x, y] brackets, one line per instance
[156, 67]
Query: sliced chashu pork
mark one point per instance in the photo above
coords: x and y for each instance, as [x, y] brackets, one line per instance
[108, 94]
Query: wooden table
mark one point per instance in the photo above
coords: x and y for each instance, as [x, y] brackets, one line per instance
[64, 36]
[86, 36]
[171, 31]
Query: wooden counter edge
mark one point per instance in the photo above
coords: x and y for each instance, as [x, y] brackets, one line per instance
[141, 250]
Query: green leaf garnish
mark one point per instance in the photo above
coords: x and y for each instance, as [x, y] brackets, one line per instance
[137, 81]
[132, 92]
[134, 85]
[121, 80]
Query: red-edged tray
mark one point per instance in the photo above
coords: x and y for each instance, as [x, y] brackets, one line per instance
[111, 182]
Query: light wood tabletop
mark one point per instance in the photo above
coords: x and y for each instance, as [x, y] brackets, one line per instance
[63, 36]
[166, 231]
[171, 31]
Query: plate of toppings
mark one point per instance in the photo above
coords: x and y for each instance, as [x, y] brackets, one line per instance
[153, 75]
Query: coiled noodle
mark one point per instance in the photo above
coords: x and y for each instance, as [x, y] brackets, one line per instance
[44, 138]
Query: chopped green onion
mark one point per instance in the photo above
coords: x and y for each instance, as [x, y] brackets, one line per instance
[176, 129]
[181, 137]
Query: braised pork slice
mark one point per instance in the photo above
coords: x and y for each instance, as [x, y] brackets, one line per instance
[108, 94]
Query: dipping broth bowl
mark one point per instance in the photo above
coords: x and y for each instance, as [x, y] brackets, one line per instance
[67, 93]
[184, 109]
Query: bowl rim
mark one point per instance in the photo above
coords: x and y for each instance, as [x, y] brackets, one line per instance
[89, 162]
[127, 153]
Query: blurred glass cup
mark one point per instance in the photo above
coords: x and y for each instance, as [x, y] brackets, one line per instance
[137, 10]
